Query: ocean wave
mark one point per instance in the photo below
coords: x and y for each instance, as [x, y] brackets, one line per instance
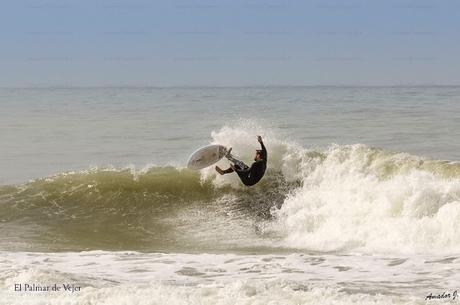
[157, 208]
[344, 197]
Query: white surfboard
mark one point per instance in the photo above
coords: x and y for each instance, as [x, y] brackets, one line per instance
[206, 156]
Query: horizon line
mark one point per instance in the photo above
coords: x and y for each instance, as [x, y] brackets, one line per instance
[120, 86]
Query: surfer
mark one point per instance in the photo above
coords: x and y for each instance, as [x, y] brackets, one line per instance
[248, 175]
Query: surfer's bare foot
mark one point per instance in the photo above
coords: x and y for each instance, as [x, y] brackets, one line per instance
[219, 170]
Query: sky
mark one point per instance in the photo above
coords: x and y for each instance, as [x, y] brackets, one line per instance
[229, 43]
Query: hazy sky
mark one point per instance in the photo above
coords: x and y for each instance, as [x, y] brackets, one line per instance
[218, 42]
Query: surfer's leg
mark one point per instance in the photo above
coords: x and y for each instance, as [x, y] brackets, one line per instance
[239, 164]
[231, 158]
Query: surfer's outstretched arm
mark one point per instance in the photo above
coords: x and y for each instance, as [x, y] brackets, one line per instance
[263, 152]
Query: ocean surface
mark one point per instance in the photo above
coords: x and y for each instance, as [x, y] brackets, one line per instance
[360, 203]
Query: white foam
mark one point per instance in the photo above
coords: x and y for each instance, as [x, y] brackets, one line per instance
[354, 197]
[156, 278]
[239, 292]
[346, 203]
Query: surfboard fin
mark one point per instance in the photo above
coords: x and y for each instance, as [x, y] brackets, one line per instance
[227, 154]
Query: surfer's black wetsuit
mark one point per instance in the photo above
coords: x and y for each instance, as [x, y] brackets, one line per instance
[250, 175]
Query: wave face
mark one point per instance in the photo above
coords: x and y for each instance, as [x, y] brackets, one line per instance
[342, 198]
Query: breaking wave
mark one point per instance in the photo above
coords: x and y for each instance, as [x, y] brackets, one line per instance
[341, 198]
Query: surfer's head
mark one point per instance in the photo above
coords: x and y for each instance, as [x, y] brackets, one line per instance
[258, 155]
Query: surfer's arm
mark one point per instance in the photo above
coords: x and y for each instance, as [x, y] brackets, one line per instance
[264, 150]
